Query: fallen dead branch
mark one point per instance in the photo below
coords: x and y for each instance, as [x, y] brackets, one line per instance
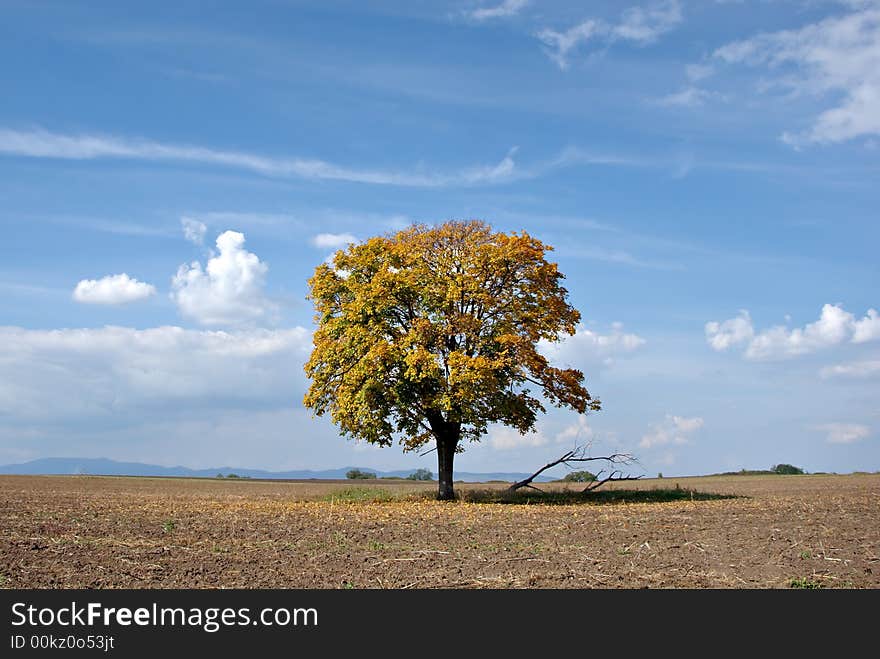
[579, 455]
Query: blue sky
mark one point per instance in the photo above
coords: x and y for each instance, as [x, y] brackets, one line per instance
[171, 175]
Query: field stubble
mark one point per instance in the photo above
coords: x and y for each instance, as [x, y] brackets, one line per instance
[106, 532]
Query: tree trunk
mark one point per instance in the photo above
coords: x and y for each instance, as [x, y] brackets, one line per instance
[446, 445]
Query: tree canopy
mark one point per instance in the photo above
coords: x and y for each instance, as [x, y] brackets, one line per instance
[432, 333]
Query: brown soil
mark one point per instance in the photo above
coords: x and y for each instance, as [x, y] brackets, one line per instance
[106, 532]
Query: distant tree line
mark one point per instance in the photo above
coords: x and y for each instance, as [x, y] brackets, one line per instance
[417, 475]
[782, 469]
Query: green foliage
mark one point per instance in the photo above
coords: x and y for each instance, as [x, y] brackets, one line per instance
[660, 475]
[786, 469]
[357, 474]
[803, 582]
[360, 494]
[420, 475]
[168, 526]
[580, 477]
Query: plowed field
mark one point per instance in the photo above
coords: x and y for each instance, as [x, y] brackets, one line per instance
[107, 532]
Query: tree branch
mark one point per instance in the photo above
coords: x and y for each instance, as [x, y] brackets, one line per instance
[579, 455]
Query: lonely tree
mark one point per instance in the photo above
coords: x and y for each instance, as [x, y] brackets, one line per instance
[429, 335]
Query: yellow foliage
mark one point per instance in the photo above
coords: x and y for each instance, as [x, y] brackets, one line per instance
[434, 330]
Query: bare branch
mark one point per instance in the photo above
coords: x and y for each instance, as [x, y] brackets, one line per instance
[611, 477]
[527, 482]
[578, 455]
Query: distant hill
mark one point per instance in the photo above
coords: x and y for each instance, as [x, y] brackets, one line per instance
[105, 467]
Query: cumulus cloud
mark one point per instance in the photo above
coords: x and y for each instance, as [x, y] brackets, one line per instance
[333, 240]
[675, 430]
[868, 328]
[864, 369]
[837, 57]
[641, 25]
[505, 9]
[589, 347]
[731, 332]
[228, 290]
[193, 230]
[504, 438]
[106, 373]
[844, 433]
[112, 289]
[834, 327]
[578, 432]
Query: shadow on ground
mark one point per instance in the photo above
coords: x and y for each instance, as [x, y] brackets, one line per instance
[525, 497]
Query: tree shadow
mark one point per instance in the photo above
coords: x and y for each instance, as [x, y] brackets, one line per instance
[595, 497]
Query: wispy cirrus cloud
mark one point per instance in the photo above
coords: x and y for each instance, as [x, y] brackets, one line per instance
[44, 144]
[505, 9]
[639, 25]
[618, 257]
[837, 57]
[689, 97]
[40, 143]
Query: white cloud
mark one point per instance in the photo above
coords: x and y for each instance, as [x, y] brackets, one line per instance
[333, 240]
[731, 332]
[44, 144]
[864, 369]
[674, 430]
[641, 25]
[697, 72]
[561, 44]
[834, 327]
[112, 289]
[228, 291]
[844, 433]
[837, 57]
[504, 438]
[578, 432]
[868, 328]
[503, 10]
[646, 24]
[689, 97]
[193, 230]
[589, 347]
[47, 375]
